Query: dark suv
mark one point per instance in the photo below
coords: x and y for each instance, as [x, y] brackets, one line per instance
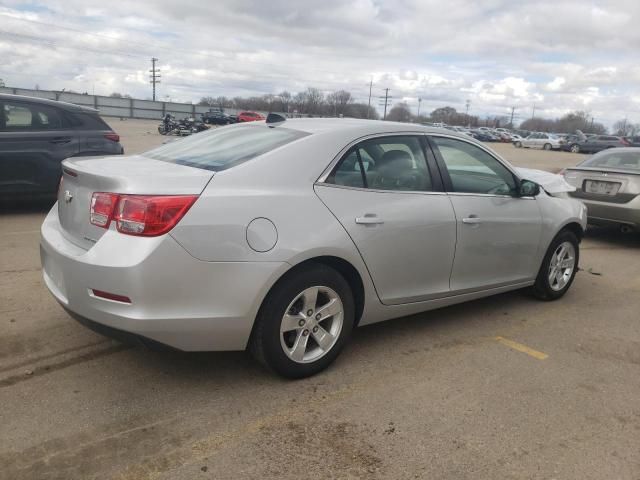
[36, 135]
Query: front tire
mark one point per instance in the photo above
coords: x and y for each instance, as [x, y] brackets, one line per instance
[558, 268]
[304, 322]
[518, 144]
[547, 146]
[575, 148]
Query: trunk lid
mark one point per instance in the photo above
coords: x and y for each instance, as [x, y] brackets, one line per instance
[135, 175]
[603, 184]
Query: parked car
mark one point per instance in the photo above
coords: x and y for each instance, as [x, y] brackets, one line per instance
[484, 136]
[633, 141]
[566, 141]
[504, 137]
[36, 135]
[515, 138]
[249, 117]
[608, 183]
[596, 143]
[320, 225]
[545, 141]
[217, 117]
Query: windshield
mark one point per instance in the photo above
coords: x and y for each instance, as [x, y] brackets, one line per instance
[620, 160]
[224, 148]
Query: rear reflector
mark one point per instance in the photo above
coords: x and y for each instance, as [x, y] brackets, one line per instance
[114, 137]
[141, 215]
[110, 296]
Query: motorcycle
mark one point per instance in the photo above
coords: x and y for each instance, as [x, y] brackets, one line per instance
[184, 127]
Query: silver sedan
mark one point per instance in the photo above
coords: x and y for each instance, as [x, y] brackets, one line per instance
[282, 236]
[609, 185]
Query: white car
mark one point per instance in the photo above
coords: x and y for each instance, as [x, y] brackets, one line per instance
[544, 141]
[282, 236]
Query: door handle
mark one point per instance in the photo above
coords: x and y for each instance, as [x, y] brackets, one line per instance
[472, 220]
[369, 219]
[60, 140]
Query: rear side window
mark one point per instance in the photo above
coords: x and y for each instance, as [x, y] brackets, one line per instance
[384, 163]
[84, 121]
[224, 148]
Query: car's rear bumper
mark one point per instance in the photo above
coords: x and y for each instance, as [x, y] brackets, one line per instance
[176, 299]
[606, 213]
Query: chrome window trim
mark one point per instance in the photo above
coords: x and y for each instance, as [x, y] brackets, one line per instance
[376, 190]
[468, 194]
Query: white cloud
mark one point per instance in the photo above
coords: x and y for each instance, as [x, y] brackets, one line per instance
[560, 55]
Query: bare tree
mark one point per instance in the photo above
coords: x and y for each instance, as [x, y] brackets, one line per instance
[2, 83]
[400, 113]
[625, 128]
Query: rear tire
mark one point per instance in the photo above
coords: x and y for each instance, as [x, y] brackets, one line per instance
[290, 335]
[558, 268]
[518, 144]
[547, 146]
[575, 148]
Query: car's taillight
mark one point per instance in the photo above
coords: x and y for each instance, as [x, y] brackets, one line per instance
[625, 141]
[114, 137]
[102, 206]
[143, 215]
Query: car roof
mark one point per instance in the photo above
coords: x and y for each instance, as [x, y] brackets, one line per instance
[357, 125]
[46, 101]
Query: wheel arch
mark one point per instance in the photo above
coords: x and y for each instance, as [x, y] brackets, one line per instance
[575, 228]
[342, 266]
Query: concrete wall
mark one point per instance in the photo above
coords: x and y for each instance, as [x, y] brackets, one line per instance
[119, 107]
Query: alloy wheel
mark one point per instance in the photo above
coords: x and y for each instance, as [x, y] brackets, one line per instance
[311, 324]
[561, 266]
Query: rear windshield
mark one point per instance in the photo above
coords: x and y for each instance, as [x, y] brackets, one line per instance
[225, 147]
[624, 160]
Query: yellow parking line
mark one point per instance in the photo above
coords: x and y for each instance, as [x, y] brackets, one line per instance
[522, 348]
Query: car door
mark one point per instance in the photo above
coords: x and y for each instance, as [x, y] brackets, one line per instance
[498, 232]
[530, 141]
[385, 194]
[33, 144]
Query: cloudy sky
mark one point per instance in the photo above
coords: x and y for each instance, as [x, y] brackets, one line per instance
[558, 55]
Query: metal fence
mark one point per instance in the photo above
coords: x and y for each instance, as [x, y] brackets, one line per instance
[119, 107]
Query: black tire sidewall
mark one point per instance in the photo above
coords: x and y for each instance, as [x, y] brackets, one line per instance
[542, 287]
[270, 316]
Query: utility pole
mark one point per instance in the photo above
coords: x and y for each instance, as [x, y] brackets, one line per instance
[386, 100]
[533, 113]
[591, 126]
[369, 104]
[155, 76]
[513, 109]
[467, 105]
[419, 103]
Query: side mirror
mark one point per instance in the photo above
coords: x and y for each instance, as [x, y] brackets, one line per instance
[528, 188]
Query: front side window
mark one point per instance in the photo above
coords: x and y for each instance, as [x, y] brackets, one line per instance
[224, 148]
[473, 170]
[395, 163]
